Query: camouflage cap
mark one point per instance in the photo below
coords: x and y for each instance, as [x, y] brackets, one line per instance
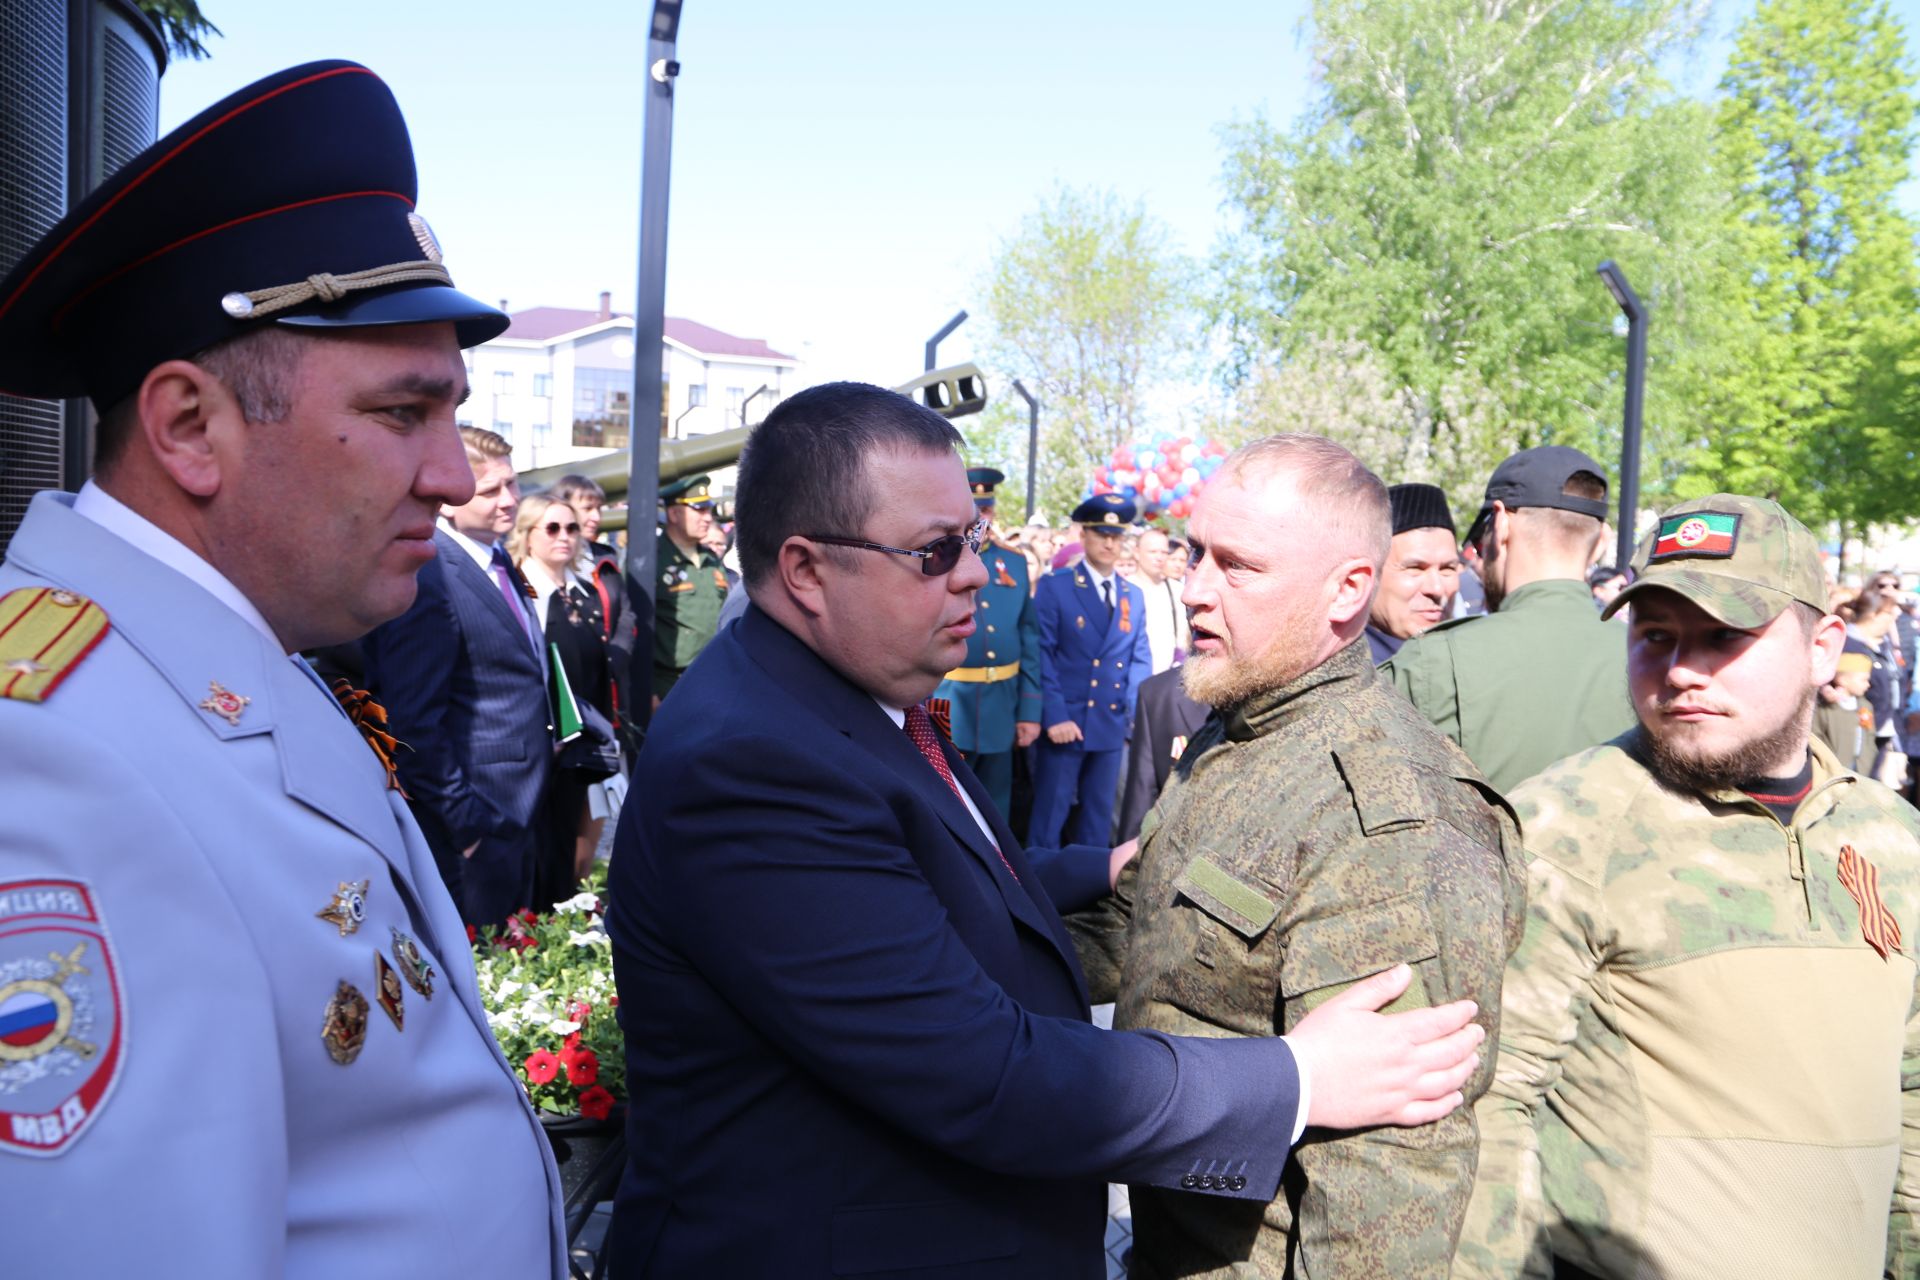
[1743, 560]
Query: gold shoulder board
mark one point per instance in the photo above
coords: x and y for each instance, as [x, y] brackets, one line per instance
[44, 633]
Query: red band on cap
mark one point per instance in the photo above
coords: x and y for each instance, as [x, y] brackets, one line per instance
[60, 316]
[157, 165]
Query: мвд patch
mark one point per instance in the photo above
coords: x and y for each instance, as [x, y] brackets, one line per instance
[62, 1019]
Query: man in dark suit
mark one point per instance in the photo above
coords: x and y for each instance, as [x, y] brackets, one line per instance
[857, 1038]
[1164, 717]
[463, 674]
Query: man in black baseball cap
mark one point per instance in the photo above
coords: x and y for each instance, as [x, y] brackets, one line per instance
[273, 343]
[1540, 677]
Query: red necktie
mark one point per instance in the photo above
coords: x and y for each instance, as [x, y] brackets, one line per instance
[920, 728]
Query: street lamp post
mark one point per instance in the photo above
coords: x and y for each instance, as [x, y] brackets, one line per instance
[1636, 313]
[763, 389]
[649, 319]
[933, 343]
[1033, 439]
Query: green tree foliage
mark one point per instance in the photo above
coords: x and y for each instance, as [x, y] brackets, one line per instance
[1815, 132]
[1091, 307]
[1437, 216]
[182, 25]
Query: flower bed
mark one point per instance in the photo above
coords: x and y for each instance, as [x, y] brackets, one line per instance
[547, 984]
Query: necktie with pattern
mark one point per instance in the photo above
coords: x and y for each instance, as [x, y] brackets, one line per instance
[919, 727]
[503, 578]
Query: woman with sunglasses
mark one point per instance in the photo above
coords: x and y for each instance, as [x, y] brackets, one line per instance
[545, 544]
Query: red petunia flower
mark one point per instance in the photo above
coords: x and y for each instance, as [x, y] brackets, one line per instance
[583, 1067]
[473, 935]
[527, 916]
[579, 1011]
[595, 1103]
[613, 1002]
[542, 1067]
[572, 1043]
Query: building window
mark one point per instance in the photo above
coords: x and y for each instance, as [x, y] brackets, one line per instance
[602, 408]
[696, 395]
[503, 382]
[734, 395]
[543, 384]
[503, 429]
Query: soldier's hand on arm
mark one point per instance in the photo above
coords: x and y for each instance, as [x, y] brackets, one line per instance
[1025, 732]
[1117, 862]
[1063, 733]
[1368, 1068]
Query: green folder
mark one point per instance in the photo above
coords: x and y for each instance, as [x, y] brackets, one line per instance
[566, 709]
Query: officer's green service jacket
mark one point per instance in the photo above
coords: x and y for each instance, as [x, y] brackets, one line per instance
[1518, 689]
[1706, 1067]
[688, 593]
[1319, 834]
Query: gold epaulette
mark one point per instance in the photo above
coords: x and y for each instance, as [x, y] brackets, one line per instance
[44, 633]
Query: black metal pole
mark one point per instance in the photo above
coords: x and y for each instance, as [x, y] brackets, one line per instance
[1033, 439]
[933, 343]
[1636, 313]
[763, 389]
[649, 331]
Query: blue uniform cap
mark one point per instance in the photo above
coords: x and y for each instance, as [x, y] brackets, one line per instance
[982, 481]
[1105, 510]
[289, 202]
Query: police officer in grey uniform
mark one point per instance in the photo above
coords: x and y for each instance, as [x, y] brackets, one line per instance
[239, 1030]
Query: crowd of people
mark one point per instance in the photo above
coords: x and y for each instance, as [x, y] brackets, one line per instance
[1469, 906]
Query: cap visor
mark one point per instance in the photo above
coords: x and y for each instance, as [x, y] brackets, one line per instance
[1479, 523]
[1734, 601]
[474, 322]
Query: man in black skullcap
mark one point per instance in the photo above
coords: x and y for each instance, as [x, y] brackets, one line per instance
[240, 1029]
[1422, 570]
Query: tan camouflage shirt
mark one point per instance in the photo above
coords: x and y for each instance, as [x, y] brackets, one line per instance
[1705, 1068]
[1321, 834]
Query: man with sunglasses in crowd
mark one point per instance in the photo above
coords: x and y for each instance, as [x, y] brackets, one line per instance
[857, 1037]
[1094, 653]
[1540, 676]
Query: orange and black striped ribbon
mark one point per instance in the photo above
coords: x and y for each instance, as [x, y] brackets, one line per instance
[1862, 879]
[940, 711]
[370, 718]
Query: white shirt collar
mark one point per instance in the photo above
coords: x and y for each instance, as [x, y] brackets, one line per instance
[482, 553]
[1099, 579]
[894, 714]
[123, 522]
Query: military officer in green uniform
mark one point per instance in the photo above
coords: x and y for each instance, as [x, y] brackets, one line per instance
[1315, 831]
[994, 696]
[1540, 677]
[691, 584]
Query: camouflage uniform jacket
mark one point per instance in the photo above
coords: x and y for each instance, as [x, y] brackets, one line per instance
[1705, 1069]
[1320, 834]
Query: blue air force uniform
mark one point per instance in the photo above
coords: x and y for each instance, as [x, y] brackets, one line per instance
[998, 686]
[239, 1028]
[1092, 662]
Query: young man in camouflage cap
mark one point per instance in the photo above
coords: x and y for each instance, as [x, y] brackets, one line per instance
[1697, 888]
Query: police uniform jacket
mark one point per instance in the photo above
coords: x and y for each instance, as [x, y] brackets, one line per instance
[998, 684]
[1092, 664]
[171, 849]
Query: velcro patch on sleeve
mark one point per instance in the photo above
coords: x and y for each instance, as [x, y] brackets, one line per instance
[44, 634]
[1696, 533]
[62, 1017]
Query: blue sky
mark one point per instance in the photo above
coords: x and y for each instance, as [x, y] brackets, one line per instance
[842, 171]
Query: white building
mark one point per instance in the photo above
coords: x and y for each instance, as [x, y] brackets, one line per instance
[559, 382]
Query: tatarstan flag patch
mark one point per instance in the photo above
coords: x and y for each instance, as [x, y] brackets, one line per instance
[1696, 533]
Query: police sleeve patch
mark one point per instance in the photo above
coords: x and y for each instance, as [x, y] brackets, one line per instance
[62, 1019]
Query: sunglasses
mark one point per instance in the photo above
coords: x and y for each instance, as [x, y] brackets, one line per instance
[936, 558]
[554, 527]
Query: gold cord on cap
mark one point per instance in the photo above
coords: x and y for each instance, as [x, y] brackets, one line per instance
[329, 288]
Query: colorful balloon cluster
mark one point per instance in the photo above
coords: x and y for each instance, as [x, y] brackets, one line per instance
[1162, 477]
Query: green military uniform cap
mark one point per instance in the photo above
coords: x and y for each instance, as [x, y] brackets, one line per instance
[1743, 560]
[689, 491]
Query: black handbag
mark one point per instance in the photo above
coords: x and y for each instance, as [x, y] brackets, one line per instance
[594, 753]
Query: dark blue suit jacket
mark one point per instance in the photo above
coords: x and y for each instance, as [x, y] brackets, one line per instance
[856, 1045]
[468, 694]
[1091, 663]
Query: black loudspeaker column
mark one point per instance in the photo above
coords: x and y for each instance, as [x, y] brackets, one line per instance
[80, 96]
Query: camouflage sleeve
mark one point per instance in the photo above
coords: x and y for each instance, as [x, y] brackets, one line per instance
[1389, 1201]
[1099, 932]
[1549, 985]
[1422, 672]
[1903, 1223]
